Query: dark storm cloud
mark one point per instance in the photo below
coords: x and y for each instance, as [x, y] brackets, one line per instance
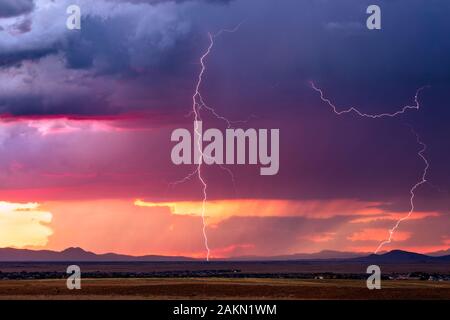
[134, 60]
[125, 33]
[265, 69]
[138, 42]
[117, 37]
[95, 48]
[75, 104]
[295, 42]
[152, 47]
[11, 8]
[11, 59]
[165, 51]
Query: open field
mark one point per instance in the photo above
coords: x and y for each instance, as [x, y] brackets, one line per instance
[220, 280]
[214, 288]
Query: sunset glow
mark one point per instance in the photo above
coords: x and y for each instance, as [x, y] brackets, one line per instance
[86, 118]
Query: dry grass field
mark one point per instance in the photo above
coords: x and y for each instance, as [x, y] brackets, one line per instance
[214, 288]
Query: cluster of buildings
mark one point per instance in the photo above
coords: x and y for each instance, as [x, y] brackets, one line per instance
[420, 276]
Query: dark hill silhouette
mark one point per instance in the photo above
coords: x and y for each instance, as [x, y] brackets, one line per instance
[399, 256]
[78, 254]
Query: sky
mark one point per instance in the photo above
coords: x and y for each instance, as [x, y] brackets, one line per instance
[86, 118]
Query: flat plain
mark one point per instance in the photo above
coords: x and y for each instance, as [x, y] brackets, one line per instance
[218, 288]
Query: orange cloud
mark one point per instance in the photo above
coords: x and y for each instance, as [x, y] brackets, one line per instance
[378, 235]
[217, 210]
[235, 227]
[116, 225]
[321, 237]
[396, 216]
[230, 250]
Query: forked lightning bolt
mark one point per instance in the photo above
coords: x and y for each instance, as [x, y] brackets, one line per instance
[412, 192]
[421, 153]
[198, 104]
[366, 115]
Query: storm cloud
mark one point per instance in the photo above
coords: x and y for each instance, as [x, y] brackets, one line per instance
[87, 114]
[11, 8]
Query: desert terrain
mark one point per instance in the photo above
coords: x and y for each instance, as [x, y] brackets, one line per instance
[217, 288]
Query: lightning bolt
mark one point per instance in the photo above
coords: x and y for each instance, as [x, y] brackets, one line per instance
[366, 115]
[421, 153]
[412, 192]
[198, 103]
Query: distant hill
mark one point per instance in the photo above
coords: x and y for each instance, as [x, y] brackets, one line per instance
[399, 256]
[77, 254]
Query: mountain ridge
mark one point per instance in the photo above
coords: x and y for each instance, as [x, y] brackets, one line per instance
[79, 254]
[400, 256]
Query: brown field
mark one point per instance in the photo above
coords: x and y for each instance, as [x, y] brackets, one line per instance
[213, 288]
